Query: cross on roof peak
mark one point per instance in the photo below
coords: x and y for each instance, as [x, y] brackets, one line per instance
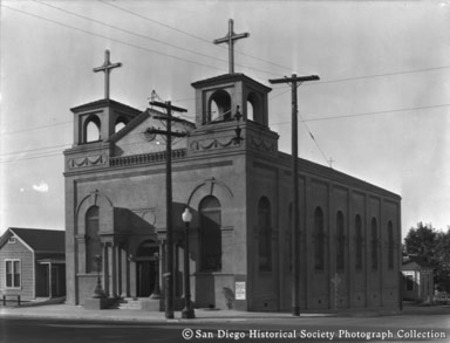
[229, 38]
[106, 67]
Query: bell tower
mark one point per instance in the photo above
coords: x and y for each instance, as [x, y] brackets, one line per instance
[218, 99]
[99, 120]
[231, 110]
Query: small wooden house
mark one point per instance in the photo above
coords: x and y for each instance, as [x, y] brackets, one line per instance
[32, 263]
[418, 283]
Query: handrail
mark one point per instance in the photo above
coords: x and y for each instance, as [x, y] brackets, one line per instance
[11, 295]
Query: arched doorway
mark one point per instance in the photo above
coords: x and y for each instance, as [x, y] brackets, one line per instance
[146, 260]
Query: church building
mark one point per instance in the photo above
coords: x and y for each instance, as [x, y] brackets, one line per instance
[227, 169]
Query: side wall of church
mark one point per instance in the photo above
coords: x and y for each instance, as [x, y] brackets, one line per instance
[367, 280]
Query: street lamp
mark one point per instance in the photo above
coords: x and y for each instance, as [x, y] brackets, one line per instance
[156, 291]
[188, 311]
[98, 292]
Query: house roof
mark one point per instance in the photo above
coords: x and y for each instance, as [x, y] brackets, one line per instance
[40, 240]
[416, 262]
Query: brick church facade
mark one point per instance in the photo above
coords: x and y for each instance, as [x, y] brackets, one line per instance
[239, 192]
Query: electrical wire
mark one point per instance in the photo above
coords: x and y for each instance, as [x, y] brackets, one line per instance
[148, 38]
[189, 34]
[35, 128]
[112, 39]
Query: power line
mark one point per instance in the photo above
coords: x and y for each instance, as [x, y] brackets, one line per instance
[374, 76]
[188, 33]
[304, 121]
[30, 158]
[313, 138]
[367, 113]
[111, 39]
[35, 128]
[384, 74]
[141, 35]
[144, 36]
[377, 112]
[35, 150]
[213, 67]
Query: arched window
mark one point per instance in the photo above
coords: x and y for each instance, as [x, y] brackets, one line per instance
[358, 243]
[319, 240]
[265, 235]
[93, 245]
[219, 107]
[210, 234]
[374, 230]
[390, 246]
[340, 242]
[92, 129]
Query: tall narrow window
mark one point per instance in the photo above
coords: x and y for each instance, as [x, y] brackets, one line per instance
[319, 240]
[374, 230]
[358, 243]
[390, 246]
[93, 245]
[210, 234]
[340, 242]
[13, 273]
[265, 235]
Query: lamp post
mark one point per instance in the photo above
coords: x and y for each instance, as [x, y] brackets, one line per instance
[98, 292]
[156, 291]
[188, 311]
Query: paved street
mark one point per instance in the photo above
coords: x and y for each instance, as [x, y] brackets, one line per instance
[421, 324]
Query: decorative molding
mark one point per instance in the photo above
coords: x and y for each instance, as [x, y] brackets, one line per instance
[212, 143]
[88, 161]
[155, 157]
[210, 184]
[262, 144]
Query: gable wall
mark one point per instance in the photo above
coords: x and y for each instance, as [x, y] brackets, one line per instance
[18, 251]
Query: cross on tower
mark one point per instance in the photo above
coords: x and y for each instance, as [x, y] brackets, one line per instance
[106, 67]
[229, 39]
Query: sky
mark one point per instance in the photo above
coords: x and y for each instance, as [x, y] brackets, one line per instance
[380, 111]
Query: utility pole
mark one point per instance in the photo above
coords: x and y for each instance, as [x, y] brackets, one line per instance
[169, 272]
[294, 82]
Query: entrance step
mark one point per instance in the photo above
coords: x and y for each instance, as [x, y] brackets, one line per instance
[130, 304]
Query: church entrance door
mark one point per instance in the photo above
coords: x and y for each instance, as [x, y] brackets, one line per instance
[146, 259]
[145, 278]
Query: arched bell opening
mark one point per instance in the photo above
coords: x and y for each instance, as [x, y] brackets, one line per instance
[121, 122]
[219, 108]
[254, 108]
[92, 129]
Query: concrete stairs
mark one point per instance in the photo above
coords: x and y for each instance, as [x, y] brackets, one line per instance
[130, 304]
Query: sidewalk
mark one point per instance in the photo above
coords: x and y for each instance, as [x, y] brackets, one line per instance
[63, 311]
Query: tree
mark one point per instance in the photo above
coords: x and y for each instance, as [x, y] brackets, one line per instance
[421, 241]
[432, 247]
[443, 260]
